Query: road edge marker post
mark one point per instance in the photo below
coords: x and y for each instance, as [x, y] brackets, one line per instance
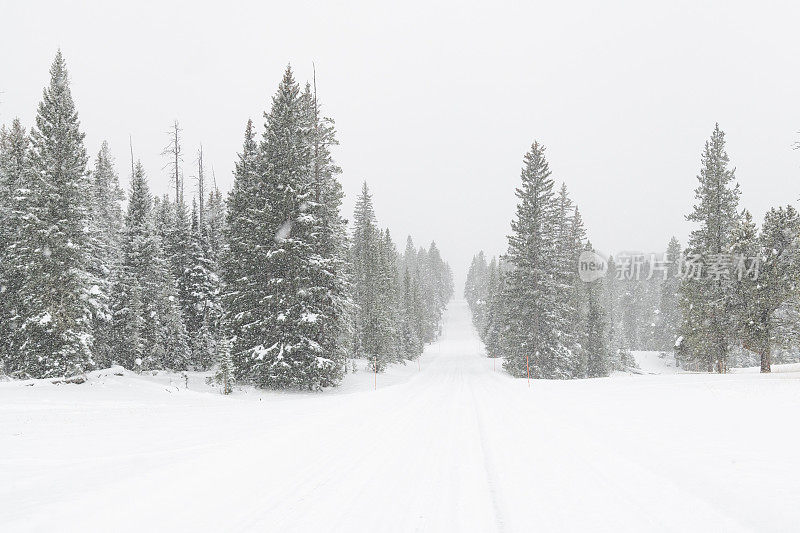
[528, 370]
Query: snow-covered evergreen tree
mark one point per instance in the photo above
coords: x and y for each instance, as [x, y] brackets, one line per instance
[198, 288]
[147, 322]
[669, 313]
[410, 342]
[387, 348]
[177, 238]
[476, 290]
[225, 370]
[16, 243]
[163, 219]
[215, 227]
[365, 258]
[533, 327]
[285, 270]
[594, 340]
[707, 299]
[576, 309]
[330, 244]
[106, 226]
[245, 280]
[497, 317]
[398, 300]
[568, 310]
[57, 288]
[763, 295]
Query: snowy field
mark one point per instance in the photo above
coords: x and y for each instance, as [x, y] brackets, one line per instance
[451, 445]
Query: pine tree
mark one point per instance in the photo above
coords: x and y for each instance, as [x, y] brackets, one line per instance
[491, 294]
[330, 246]
[387, 319]
[163, 219]
[215, 228]
[106, 228]
[436, 287]
[471, 283]
[476, 290]
[763, 295]
[374, 292]
[363, 256]
[56, 292]
[441, 278]
[284, 338]
[409, 259]
[199, 293]
[245, 279]
[708, 326]
[576, 307]
[16, 241]
[633, 309]
[497, 322]
[594, 339]
[147, 322]
[618, 359]
[225, 370]
[176, 241]
[410, 342]
[532, 325]
[669, 314]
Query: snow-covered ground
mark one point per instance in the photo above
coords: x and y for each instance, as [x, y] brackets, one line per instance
[451, 445]
[651, 362]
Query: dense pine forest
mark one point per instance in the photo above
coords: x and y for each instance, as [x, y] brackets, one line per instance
[269, 286]
[730, 298]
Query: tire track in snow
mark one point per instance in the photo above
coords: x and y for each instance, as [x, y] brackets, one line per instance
[489, 465]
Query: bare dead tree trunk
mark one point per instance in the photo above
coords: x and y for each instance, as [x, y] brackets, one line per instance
[177, 153]
[173, 150]
[201, 186]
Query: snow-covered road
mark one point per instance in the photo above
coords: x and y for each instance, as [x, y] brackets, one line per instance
[454, 446]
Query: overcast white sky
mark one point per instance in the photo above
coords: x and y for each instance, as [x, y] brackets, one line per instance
[437, 103]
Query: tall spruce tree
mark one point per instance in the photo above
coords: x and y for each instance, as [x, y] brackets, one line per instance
[106, 227]
[57, 289]
[16, 241]
[387, 334]
[215, 227]
[765, 290]
[576, 308]
[329, 240]
[286, 332]
[410, 341]
[245, 280]
[497, 324]
[364, 267]
[594, 340]
[476, 290]
[532, 327]
[707, 300]
[199, 292]
[491, 294]
[147, 322]
[669, 314]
